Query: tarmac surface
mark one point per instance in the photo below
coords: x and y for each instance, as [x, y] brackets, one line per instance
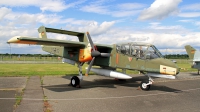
[10, 88]
[98, 93]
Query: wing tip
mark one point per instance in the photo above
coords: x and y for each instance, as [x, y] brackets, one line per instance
[13, 39]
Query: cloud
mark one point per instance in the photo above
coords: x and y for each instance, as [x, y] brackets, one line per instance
[172, 37]
[160, 9]
[95, 9]
[16, 18]
[197, 23]
[93, 27]
[3, 12]
[125, 13]
[115, 10]
[44, 5]
[192, 7]
[25, 24]
[189, 14]
[130, 6]
[57, 6]
[105, 33]
[186, 20]
[190, 11]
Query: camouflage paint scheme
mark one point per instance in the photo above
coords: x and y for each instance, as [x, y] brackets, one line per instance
[122, 56]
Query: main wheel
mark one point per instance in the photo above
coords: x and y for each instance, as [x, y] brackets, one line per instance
[144, 85]
[75, 81]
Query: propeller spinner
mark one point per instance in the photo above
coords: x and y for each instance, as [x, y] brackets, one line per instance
[94, 53]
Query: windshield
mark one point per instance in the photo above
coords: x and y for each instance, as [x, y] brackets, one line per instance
[154, 52]
[139, 51]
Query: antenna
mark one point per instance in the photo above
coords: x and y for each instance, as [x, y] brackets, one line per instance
[10, 50]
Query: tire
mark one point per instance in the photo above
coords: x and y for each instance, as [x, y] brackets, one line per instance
[145, 87]
[75, 81]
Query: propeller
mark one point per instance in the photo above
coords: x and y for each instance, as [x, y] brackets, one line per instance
[94, 53]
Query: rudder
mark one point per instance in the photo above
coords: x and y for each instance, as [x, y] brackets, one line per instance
[42, 32]
[190, 51]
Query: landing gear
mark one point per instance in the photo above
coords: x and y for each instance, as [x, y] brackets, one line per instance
[145, 85]
[75, 81]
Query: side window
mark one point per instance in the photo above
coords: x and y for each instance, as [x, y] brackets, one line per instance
[124, 49]
[118, 48]
[134, 51]
[127, 49]
[138, 51]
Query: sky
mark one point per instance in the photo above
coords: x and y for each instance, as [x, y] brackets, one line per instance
[168, 24]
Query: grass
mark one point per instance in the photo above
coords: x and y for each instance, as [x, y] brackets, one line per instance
[185, 67]
[18, 100]
[37, 69]
[27, 58]
[58, 69]
[18, 97]
[43, 69]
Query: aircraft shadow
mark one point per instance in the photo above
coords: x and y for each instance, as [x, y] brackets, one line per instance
[108, 83]
[194, 74]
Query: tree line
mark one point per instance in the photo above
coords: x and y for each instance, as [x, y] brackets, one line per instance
[30, 55]
[176, 56]
[168, 56]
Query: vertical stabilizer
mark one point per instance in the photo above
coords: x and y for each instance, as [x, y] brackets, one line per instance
[42, 32]
[190, 51]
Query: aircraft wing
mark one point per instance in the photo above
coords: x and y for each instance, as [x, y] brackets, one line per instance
[43, 41]
[51, 42]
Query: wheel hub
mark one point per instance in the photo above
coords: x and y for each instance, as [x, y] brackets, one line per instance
[73, 81]
[144, 85]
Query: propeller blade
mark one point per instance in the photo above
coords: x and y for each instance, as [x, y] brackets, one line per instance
[89, 67]
[91, 42]
[105, 54]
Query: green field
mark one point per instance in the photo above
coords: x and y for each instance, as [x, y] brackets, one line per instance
[57, 69]
[37, 69]
[28, 58]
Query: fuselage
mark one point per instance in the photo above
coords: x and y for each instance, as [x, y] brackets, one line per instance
[133, 56]
[141, 57]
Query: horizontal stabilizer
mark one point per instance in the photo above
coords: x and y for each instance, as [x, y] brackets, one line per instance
[64, 60]
[196, 56]
[60, 31]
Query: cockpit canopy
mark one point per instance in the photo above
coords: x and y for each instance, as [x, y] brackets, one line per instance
[139, 50]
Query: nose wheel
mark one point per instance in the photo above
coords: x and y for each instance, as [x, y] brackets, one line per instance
[146, 84]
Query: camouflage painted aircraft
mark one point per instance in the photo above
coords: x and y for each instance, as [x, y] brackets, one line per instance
[143, 57]
[194, 55]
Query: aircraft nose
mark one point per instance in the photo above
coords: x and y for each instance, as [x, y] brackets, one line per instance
[178, 70]
[169, 67]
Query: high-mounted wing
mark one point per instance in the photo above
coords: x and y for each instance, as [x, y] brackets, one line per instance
[43, 41]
